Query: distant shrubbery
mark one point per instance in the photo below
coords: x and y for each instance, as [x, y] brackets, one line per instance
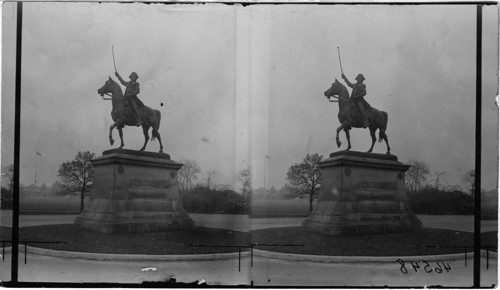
[6, 198]
[279, 208]
[201, 199]
[430, 200]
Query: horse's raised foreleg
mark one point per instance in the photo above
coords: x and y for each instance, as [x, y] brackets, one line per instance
[337, 136]
[348, 136]
[374, 138]
[111, 140]
[145, 130]
[120, 132]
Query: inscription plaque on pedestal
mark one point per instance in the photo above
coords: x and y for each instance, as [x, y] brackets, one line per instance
[134, 191]
[362, 193]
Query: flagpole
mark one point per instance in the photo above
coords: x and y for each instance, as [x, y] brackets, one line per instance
[36, 161]
[265, 175]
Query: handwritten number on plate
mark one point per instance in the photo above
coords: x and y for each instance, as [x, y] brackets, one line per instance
[438, 270]
[427, 266]
[446, 267]
[415, 266]
[403, 268]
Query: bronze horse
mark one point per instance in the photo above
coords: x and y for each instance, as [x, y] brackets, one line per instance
[350, 117]
[123, 116]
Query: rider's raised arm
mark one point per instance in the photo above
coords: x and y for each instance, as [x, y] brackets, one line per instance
[351, 85]
[121, 80]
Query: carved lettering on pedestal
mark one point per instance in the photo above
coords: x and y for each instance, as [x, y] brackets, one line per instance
[384, 185]
[158, 183]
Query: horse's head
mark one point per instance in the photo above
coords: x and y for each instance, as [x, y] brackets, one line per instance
[335, 90]
[107, 88]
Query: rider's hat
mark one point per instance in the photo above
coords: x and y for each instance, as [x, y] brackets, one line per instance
[360, 76]
[133, 74]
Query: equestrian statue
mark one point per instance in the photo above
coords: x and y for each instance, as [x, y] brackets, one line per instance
[128, 110]
[354, 111]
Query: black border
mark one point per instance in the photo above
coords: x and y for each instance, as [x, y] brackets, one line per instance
[477, 181]
[17, 133]
[17, 145]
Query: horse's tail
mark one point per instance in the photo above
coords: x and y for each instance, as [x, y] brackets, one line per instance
[381, 134]
[155, 128]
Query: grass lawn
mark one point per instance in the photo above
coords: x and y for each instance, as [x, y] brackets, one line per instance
[400, 244]
[178, 242]
[50, 205]
[167, 243]
[490, 239]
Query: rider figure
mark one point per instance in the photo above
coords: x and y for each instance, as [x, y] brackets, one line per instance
[358, 92]
[131, 91]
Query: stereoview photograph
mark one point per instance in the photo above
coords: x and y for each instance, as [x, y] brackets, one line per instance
[174, 145]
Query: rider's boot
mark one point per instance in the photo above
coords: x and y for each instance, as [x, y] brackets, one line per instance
[366, 122]
[137, 113]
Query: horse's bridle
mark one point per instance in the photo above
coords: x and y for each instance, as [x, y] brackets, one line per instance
[112, 98]
[338, 100]
[108, 94]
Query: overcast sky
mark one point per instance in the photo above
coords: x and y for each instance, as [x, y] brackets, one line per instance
[239, 83]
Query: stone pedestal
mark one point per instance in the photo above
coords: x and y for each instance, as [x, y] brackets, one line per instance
[134, 192]
[362, 193]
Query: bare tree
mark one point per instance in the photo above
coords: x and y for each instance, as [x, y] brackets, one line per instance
[7, 192]
[272, 193]
[416, 175]
[211, 174]
[8, 177]
[188, 174]
[440, 177]
[470, 178]
[245, 177]
[304, 179]
[77, 175]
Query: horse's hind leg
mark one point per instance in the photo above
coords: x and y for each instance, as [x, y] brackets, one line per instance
[157, 135]
[348, 136]
[120, 132]
[374, 138]
[146, 136]
[387, 142]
